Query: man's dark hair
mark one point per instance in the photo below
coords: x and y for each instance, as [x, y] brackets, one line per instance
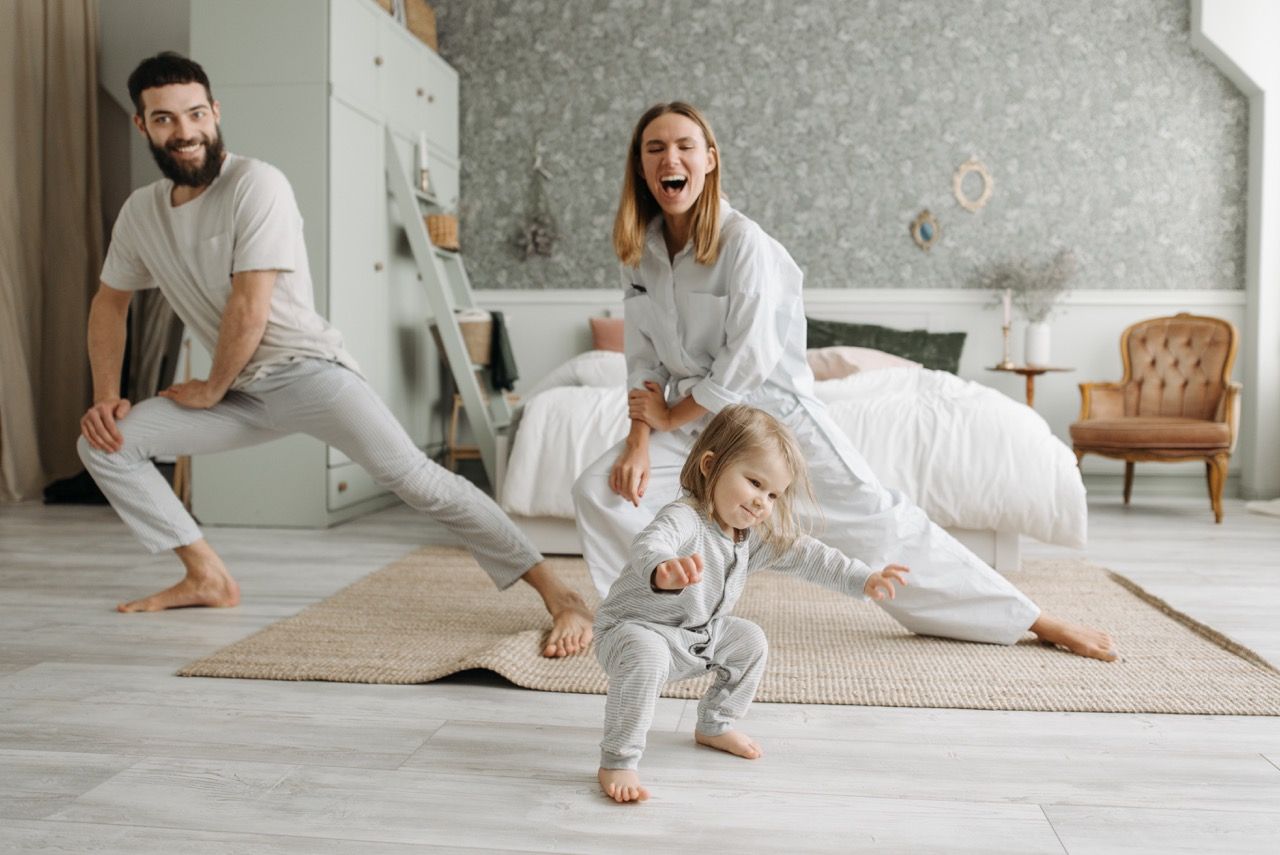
[165, 69]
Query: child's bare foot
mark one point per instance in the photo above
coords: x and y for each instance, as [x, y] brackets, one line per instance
[733, 741]
[1080, 640]
[622, 785]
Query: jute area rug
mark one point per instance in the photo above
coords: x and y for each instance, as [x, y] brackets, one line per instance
[435, 612]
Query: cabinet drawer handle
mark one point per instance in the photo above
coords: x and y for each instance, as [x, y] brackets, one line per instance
[377, 266]
[342, 486]
[377, 60]
[431, 99]
[421, 92]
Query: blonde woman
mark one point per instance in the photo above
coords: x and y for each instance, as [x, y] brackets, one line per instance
[714, 317]
[669, 615]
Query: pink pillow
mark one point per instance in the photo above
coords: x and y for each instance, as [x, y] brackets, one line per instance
[606, 334]
[832, 363]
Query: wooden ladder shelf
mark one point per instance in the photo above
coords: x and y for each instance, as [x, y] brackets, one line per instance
[444, 277]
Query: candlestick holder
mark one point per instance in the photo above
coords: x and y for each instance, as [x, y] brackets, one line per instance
[1005, 362]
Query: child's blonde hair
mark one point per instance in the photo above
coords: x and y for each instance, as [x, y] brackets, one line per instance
[736, 432]
[637, 205]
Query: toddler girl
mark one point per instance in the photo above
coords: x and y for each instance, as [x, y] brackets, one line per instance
[667, 617]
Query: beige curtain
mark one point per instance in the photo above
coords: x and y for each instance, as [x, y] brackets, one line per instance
[155, 333]
[50, 236]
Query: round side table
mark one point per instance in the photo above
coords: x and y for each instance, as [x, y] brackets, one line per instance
[1031, 372]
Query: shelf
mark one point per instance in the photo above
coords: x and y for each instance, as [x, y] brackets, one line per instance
[427, 196]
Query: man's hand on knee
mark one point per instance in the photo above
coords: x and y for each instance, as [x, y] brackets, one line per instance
[98, 425]
[195, 394]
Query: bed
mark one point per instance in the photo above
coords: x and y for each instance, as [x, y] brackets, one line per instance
[983, 466]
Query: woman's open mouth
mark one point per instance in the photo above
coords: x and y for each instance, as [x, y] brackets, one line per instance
[673, 185]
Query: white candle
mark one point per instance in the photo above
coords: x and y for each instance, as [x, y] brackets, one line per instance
[1008, 307]
[422, 150]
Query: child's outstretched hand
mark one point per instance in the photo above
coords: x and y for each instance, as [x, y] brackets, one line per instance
[880, 585]
[678, 573]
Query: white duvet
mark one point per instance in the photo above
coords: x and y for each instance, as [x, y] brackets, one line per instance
[968, 455]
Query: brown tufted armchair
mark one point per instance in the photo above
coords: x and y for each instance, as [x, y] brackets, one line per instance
[1176, 402]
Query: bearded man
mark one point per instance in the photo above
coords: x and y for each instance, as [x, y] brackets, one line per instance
[221, 237]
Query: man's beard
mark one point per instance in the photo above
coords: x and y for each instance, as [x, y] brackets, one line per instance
[189, 174]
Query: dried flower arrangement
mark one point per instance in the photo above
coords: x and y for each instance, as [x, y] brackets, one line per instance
[1036, 288]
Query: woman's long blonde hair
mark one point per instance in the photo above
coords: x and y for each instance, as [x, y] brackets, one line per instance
[736, 432]
[637, 207]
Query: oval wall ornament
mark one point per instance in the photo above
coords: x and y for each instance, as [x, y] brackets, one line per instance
[925, 230]
[970, 166]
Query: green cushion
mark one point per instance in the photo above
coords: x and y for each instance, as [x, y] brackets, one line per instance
[930, 349]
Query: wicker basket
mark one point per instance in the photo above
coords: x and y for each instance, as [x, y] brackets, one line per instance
[421, 21]
[476, 335]
[443, 229]
[419, 18]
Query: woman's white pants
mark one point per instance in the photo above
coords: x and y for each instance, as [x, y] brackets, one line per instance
[950, 593]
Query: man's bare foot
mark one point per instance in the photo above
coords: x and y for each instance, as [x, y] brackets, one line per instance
[207, 583]
[622, 785]
[1080, 640]
[571, 620]
[733, 741]
[571, 627]
[188, 592]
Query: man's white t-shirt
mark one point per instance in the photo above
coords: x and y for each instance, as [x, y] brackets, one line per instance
[247, 219]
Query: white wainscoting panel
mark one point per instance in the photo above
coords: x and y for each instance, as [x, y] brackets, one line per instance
[548, 327]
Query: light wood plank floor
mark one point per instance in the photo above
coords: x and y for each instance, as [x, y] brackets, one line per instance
[102, 749]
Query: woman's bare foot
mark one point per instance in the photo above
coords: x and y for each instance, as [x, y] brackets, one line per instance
[207, 583]
[622, 785]
[1080, 640]
[571, 620]
[733, 741]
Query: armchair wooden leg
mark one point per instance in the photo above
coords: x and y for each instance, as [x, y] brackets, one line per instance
[1217, 471]
[1128, 480]
[1208, 477]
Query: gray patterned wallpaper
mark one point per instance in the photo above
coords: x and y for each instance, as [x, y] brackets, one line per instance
[838, 120]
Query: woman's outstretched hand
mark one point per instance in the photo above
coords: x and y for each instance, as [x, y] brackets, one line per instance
[649, 406]
[629, 477]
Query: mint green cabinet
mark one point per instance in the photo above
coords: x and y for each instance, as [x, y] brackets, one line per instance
[310, 87]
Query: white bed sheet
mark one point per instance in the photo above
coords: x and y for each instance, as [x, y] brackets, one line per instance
[968, 455]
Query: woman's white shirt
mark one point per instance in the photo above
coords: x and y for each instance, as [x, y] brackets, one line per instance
[726, 333]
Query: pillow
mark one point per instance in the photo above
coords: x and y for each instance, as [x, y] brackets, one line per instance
[598, 368]
[832, 363]
[940, 351]
[606, 334]
[593, 368]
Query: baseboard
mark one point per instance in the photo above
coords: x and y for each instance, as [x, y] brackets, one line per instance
[1256, 495]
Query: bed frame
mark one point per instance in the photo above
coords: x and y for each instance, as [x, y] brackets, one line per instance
[559, 535]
